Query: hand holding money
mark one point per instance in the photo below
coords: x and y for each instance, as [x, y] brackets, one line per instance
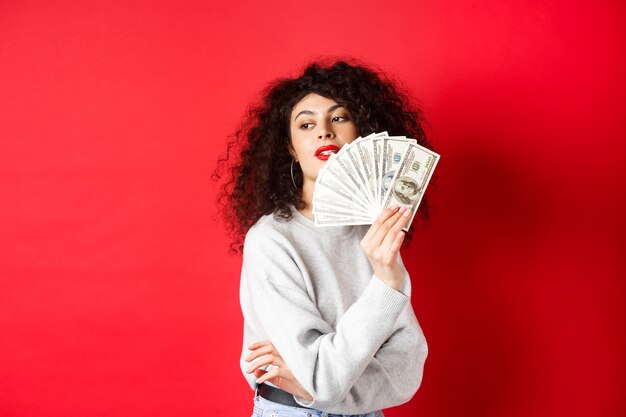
[370, 175]
[382, 243]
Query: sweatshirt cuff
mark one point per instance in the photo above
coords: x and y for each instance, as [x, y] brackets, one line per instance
[387, 300]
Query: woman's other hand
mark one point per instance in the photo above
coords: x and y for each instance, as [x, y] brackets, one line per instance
[280, 376]
[382, 243]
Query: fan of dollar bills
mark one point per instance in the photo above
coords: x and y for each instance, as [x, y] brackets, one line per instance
[369, 175]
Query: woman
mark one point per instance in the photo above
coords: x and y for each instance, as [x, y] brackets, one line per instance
[328, 323]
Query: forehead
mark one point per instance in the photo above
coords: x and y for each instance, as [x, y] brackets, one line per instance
[313, 102]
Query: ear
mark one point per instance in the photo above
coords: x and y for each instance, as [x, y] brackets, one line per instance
[292, 151]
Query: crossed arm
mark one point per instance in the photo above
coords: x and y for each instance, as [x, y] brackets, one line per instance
[395, 370]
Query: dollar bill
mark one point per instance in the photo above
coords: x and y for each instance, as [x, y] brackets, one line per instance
[364, 157]
[353, 174]
[410, 180]
[377, 146]
[333, 178]
[370, 174]
[324, 220]
[393, 151]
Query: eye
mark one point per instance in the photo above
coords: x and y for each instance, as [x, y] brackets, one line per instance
[306, 126]
[339, 118]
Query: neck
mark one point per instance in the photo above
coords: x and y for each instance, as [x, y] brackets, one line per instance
[307, 196]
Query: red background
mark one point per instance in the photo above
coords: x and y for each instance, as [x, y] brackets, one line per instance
[117, 293]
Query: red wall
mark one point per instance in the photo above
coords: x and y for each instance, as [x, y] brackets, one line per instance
[117, 295]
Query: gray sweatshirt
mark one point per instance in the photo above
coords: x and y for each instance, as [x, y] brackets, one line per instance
[352, 341]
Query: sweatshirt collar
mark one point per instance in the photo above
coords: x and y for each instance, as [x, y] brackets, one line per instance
[339, 232]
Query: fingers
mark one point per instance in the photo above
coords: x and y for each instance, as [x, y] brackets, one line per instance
[396, 229]
[276, 376]
[284, 379]
[395, 246]
[267, 354]
[268, 375]
[391, 226]
[382, 218]
[269, 359]
[260, 351]
[388, 225]
[257, 345]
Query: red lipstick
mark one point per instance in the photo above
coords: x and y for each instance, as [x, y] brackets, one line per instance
[324, 152]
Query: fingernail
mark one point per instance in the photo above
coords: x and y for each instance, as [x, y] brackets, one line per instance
[407, 213]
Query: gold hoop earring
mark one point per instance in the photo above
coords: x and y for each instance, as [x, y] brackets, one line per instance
[292, 179]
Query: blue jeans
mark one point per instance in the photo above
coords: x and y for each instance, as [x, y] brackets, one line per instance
[266, 408]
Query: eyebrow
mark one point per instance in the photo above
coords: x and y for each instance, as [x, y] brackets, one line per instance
[330, 109]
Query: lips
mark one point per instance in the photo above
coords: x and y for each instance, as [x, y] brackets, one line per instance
[324, 152]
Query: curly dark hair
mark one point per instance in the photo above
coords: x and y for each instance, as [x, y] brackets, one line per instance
[257, 162]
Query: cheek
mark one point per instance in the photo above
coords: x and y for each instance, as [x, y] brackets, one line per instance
[299, 147]
[352, 131]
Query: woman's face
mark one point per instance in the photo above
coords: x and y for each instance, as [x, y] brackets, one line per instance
[319, 126]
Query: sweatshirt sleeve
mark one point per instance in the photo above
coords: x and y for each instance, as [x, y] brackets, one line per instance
[395, 372]
[326, 361]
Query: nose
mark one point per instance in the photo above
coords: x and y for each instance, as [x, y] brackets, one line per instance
[325, 132]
